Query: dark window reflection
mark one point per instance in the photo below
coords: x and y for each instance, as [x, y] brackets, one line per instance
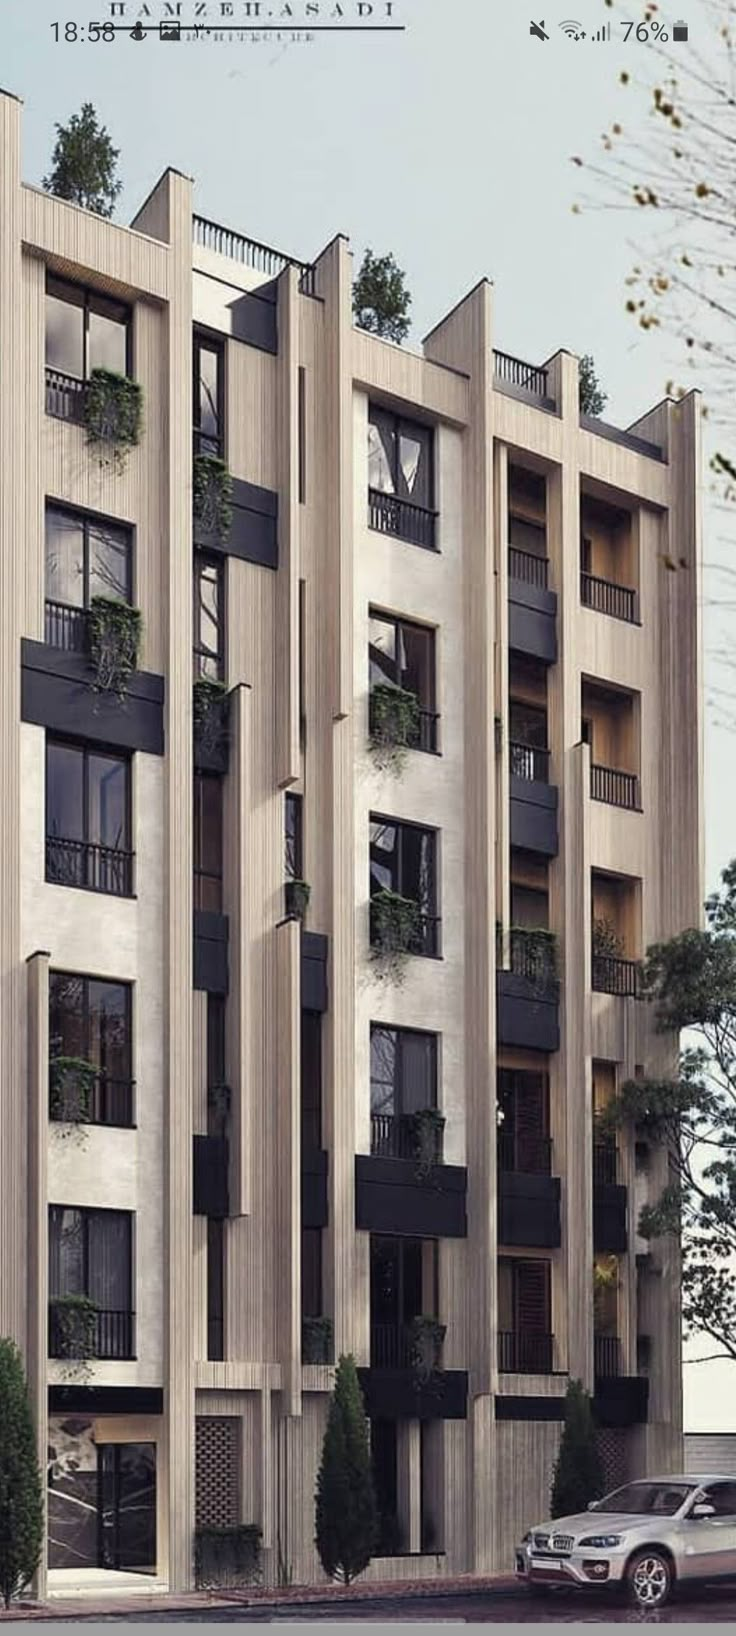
[400, 458]
[208, 397]
[87, 818]
[85, 330]
[209, 627]
[403, 1070]
[208, 842]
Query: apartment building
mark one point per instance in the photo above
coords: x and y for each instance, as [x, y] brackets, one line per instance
[328, 859]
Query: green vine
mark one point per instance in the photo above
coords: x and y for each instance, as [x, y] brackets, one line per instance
[212, 493]
[534, 956]
[607, 945]
[75, 1326]
[396, 926]
[426, 1336]
[298, 893]
[210, 714]
[71, 1084]
[425, 1129]
[316, 1340]
[394, 724]
[114, 641]
[113, 415]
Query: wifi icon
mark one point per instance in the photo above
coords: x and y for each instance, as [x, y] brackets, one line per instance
[574, 31]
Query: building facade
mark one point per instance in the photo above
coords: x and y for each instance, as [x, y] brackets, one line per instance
[322, 910]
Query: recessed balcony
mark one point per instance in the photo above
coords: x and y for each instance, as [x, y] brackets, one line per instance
[525, 1353]
[615, 788]
[613, 975]
[79, 1330]
[388, 514]
[606, 597]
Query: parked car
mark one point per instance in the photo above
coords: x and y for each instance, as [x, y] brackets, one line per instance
[646, 1537]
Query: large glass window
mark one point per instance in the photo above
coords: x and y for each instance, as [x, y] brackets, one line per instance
[90, 1253]
[403, 1083]
[400, 457]
[85, 330]
[85, 557]
[209, 396]
[208, 842]
[403, 860]
[523, 1109]
[87, 818]
[90, 1020]
[209, 617]
[401, 654]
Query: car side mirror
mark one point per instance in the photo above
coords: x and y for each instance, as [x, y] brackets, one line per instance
[703, 1510]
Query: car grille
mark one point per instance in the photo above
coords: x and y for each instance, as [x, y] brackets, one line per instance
[554, 1544]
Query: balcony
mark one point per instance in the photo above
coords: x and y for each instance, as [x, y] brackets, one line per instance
[610, 1201]
[613, 975]
[109, 1102]
[620, 1400]
[618, 601]
[65, 396]
[528, 994]
[525, 1354]
[394, 1137]
[424, 940]
[532, 606]
[533, 812]
[57, 690]
[396, 1387]
[605, 1164]
[388, 514]
[403, 1187]
[88, 865]
[607, 1356]
[517, 376]
[528, 1193]
[423, 738]
[617, 789]
[93, 1334]
[66, 628]
[527, 1155]
[528, 568]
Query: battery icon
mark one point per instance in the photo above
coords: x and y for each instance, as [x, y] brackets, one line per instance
[679, 31]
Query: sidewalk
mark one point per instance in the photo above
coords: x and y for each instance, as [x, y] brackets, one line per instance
[193, 1602]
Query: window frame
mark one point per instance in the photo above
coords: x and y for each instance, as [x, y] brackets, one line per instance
[199, 874]
[88, 1214]
[56, 285]
[209, 341]
[401, 422]
[294, 803]
[399, 1111]
[85, 978]
[88, 520]
[427, 704]
[86, 751]
[429, 910]
[202, 560]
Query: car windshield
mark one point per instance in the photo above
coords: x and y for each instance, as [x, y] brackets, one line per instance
[647, 1499]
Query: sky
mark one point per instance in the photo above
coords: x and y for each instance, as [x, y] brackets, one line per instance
[449, 144]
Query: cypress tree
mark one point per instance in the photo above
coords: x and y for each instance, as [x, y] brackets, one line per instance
[578, 1474]
[21, 1499]
[346, 1515]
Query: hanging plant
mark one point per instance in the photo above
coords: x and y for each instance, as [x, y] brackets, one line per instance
[425, 1128]
[210, 713]
[212, 494]
[114, 641]
[394, 718]
[607, 945]
[298, 893]
[396, 929]
[71, 1086]
[113, 416]
[426, 1336]
[316, 1340]
[74, 1320]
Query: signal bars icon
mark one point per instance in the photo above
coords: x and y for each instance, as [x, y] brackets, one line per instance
[575, 31]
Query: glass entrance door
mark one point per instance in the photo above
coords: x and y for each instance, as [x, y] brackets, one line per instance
[126, 1506]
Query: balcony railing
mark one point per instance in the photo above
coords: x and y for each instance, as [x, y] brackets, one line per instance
[605, 1163]
[66, 627]
[528, 761]
[425, 737]
[525, 1354]
[105, 1334]
[618, 601]
[528, 1155]
[392, 1346]
[616, 788]
[110, 1103]
[393, 1136]
[607, 1356]
[89, 865]
[612, 975]
[532, 570]
[261, 257]
[516, 372]
[402, 518]
[424, 941]
[532, 955]
[65, 396]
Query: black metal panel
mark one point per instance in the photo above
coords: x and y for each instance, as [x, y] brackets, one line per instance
[314, 971]
[610, 1225]
[93, 1400]
[56, 693]
[398, 1394]
[530, 1408]
[253, 318]
[533, 621]
[211, 932]
[391, 1198]
[534, 816]
[525, 1018]
[315, 1166]
[621, 1400]
[529, 1210]
[211, 1163]
[253, 532]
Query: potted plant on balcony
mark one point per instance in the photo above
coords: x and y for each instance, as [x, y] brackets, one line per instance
[426, 1335]
[212, 494]
[297, 894]
[316, 1340]
[425, 1128]
[75, 1326]
[534, 956]
[394, 724]
[113, 415]
[114, 642]
[71, 1085]
[210, 715]
[396, 925]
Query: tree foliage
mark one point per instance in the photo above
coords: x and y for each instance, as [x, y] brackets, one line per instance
[346, 1515]
[592, 398]
[84, 164]
[578, 1474]
[21, 1503]
[381, 300]
[692, 982]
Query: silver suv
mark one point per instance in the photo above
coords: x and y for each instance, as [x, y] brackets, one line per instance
[646, 1537]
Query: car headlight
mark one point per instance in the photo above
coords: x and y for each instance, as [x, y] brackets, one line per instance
[602, 1542]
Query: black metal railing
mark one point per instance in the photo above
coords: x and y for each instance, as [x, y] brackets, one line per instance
[528, 761]
[261, 257]
[516, 372]
[90, 1334]
[618, 601]
[525, 1354]
[393, 1136]
[612, 975]
[424, 737]
[87, 864]
[402, 518]
[423, 940]
[607, 1356]
[392, 1346]
[605, 1162]
[66, 627]
[110, 1102]
[532, 570]
[532, 955]
[527, 1154]
[65, 396]
[616, 788]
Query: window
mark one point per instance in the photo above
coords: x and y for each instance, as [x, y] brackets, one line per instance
[88, 819]
[85, 557]
[401, 477]
[208, 842]
[403, 1286]
[403, 1082]
[293, 849]
[90, 1253]
[524, 1308]
[403, 860]
[209, 396]
[311, 1080]
[85, 331]
[209, 618]
[311, 1272]
[528, 753]
[401, 654]
[218, 1096]
[523, 1134]
[90, 1020]
[215, 1288]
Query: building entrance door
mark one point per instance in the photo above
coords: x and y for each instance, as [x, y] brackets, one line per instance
[126, 1506]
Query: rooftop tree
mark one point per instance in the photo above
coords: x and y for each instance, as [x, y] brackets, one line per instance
[381, 300]
[84, 164]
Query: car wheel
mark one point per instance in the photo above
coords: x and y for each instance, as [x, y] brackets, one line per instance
[649, 1579]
